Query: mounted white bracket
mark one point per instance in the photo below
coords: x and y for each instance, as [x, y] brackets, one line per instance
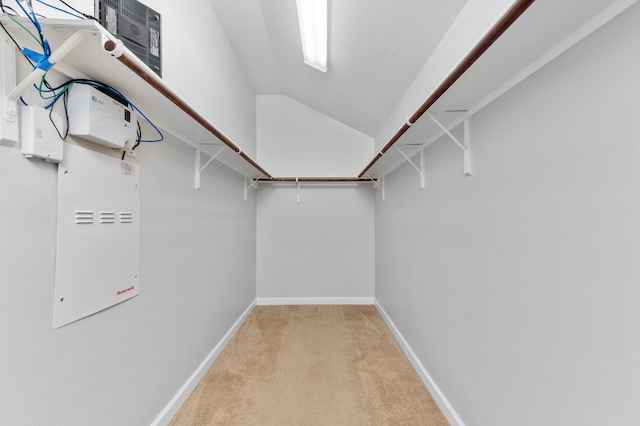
[57, 55]
[11, 91]
[378, 183]
[248, 186]
[199, 168]
[8, 109]
[419, 169]
[467, 143]
[463, 146]
[298, 188]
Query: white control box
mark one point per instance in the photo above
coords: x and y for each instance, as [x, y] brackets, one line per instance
[39, 138]
[99, 118]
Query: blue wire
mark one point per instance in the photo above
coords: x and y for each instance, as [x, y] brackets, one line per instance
[60, 10]
[52, 103]
[39, 89]
[34, 20]
[25, 12]
[45, 43]
[161, 136]
[115, 91]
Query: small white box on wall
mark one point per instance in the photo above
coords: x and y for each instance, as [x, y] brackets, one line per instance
[98, 246]
[99, 117]
[38, 135]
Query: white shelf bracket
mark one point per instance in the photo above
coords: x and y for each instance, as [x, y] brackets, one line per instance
[423, 167]
[248, 186]
[57, 55]
[462, 146]
[379, 183]
[199, 168]
[419, 169]
[298, 188]
[467, 152]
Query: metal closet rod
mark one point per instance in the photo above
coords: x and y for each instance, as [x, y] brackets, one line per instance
[498, 29]
[110, 46]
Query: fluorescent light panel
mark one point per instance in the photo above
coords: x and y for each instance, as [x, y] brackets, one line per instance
[312, 16]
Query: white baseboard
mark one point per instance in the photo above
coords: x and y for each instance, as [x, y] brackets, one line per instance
[270, 301]
[438, 396]
[181, 396]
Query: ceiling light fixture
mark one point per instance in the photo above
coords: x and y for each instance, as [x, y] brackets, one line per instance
[312, 17]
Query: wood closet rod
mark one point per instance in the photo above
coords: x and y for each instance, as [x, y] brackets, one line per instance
[110, 46]
[498, 29]
[316, 179]
[518, 8]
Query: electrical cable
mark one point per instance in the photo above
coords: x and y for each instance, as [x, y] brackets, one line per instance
[51, 91]
[3, 7]
[100, 85]
[60, 10]
[15, 42]
[34, 20]
[138, 136]
[14, 19]
[77, 11]
[66, 114]
[10, 36]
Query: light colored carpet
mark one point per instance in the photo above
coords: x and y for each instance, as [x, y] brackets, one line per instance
[311, 365]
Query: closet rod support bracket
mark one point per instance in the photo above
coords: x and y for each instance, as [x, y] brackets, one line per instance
[57, 55]
[419, 169]
[379, 184]
[250, 183]
[199, 168]
[467, 144]
[465, 147]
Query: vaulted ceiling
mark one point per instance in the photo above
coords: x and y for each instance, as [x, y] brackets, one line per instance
[376, 49]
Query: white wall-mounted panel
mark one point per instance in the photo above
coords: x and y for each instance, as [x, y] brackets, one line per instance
[98, 247]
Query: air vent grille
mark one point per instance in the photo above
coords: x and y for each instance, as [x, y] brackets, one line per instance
[107, 217]
[126, 217]
[83, 217]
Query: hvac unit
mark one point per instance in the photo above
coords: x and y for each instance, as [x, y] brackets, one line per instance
[138, 26]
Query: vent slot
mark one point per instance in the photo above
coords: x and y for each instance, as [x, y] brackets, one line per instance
[107, 217]
[126, 217]
[83, 217]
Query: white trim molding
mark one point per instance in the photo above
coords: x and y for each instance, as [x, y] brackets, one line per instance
[271, 301]
[183, 393]
[442, 401]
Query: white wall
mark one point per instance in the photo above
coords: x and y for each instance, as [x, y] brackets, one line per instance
[518, 287]
[296, 140]
[197, 275]
[324, 246]
[200, 65]
[475, 20]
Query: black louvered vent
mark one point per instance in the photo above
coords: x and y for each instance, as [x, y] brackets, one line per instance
[138, 26]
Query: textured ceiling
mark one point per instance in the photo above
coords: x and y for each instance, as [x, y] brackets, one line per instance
[376, 49]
